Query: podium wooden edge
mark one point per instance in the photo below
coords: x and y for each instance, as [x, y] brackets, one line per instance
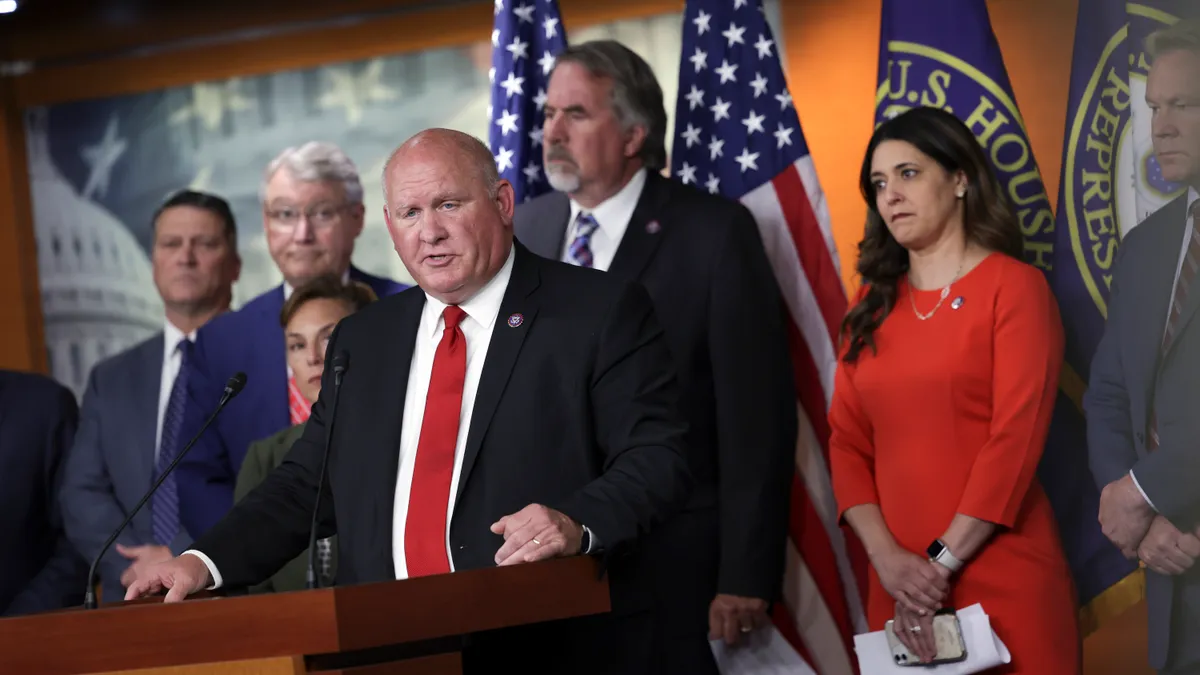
[142, 637]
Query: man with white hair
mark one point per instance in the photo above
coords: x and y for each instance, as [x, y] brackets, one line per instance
[312, 202]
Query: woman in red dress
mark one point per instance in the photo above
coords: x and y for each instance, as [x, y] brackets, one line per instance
[949, 366]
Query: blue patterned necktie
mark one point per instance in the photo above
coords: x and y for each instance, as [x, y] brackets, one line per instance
[165, 507]
[581, 247]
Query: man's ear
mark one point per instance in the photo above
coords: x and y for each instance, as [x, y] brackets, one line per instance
[635, 138]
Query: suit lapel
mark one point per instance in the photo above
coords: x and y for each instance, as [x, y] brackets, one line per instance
[1177, 212]
[145, 382]
[1161, 278]
[386, 407]
[502, 354]
[273, 364]
[547, 231]
[644, 232]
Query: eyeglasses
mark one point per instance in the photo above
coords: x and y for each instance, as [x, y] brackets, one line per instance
[320, 216]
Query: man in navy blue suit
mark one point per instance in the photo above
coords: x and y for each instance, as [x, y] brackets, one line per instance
[131, 414]
[39, 569]
[313, 211]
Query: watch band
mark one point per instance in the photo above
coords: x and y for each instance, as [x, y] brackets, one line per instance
[946, 559]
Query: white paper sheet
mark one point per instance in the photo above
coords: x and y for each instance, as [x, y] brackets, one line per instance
[765, 652]
[984, 649]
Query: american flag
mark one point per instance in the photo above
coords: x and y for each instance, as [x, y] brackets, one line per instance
[527, 35]
[738, 134]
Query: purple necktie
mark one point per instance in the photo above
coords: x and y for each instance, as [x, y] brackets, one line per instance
[581, 251]
[165, 504]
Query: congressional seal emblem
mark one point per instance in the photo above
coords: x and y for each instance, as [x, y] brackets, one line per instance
[1111, 180]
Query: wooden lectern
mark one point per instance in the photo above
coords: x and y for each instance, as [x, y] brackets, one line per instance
[410, 627]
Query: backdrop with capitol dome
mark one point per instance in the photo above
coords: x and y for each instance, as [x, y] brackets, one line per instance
[100, 167]
[185, 98]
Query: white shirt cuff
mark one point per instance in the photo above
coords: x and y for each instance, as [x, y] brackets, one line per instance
[212, 569]
[1141, 491]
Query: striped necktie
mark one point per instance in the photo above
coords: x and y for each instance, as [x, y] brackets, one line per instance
[165, 507]
[580, 252]
[1187, 272]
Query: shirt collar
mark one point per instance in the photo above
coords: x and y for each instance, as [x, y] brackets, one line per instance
[613, 214]
[172, 336]
[481, 308]
[287, 288]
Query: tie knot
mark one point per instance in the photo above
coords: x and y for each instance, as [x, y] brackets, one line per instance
[184, 347]
[453, 316]
[585, 224]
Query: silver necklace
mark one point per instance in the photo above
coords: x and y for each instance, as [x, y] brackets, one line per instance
[942, 298]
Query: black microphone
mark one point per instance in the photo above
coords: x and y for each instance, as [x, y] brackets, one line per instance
[232, 388]
[340, 362]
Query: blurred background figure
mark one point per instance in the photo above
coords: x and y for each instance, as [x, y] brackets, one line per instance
[308, 319]
[39, 569]
[132, 407]
[312, 209]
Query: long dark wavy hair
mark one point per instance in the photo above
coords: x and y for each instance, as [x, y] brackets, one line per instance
[989, 219]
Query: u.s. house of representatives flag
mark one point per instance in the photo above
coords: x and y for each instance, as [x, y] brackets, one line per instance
[738, 134]
[1110, 183]
[943, 53]
[527, 35]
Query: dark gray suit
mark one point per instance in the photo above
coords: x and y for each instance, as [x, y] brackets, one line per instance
[112, 462]
[701, 258]
[1130, 377]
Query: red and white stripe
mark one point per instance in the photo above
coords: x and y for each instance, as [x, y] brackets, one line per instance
[298, 406]
[827, 567]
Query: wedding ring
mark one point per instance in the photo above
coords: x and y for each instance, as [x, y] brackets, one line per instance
[536, 541]
[914, 629]
[746, 629]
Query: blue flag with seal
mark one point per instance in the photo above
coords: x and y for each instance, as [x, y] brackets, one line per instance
[1110, 183]
[943, 53]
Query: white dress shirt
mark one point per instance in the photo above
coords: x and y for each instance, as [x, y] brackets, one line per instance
[481, 310]
[172, 362]
[612, 215]
[1192, 196]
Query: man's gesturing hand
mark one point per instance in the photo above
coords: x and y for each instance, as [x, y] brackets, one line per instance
[143, 557]
[182, 576]
[536, 533]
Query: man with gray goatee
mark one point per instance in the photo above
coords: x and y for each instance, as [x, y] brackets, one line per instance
[719, 565]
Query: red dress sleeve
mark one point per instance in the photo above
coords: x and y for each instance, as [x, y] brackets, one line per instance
[1028, 347]
[851, 445]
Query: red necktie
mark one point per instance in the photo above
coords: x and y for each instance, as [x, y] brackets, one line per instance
[429, 496]
[298, 406]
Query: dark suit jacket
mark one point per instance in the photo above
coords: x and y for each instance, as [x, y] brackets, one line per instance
[713, 290]
[251, 341]
[576, 409]
[261, 460]
[39, 569]
[1130, 378]
[111, 465]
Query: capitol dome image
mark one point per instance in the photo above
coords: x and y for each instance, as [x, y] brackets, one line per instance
[97, 289]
